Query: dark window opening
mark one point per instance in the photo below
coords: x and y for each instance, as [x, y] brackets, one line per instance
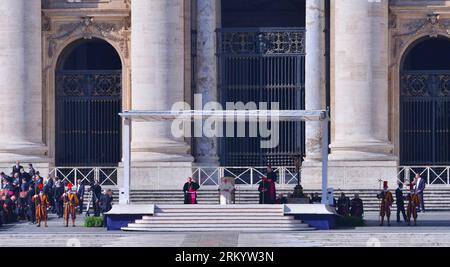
[88, 102]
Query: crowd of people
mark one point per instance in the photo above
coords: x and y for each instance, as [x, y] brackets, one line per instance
[26, 196]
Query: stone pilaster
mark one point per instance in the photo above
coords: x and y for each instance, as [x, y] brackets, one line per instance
[361, 81]
[159, 160]
[21, 134]
[361, 153]
[206, 149]
[315, 78]
[157, 60]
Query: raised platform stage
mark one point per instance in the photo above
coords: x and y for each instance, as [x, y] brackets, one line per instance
[437, 198]
[204, 218]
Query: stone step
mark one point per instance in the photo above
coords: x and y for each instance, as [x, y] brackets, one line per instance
[217, 221]
[219, 229]
[223, 217]
[217, 225]
[204, 214]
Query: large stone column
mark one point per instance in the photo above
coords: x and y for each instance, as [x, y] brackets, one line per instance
[315, 70]
[21, 134]
[361, 153]
[361, 81]
[157, 62]
[206, 74]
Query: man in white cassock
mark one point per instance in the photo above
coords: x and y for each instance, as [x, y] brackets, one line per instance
[226, 189]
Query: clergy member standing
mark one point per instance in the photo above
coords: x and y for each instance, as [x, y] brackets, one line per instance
[226, 189]
[190, 191]
[272, 179]
[263, 189]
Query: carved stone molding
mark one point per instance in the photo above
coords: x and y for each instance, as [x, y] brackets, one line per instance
[87, 28]
[432, 25]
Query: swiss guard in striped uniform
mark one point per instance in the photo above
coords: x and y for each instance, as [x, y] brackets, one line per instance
[41, 205]
[386, 204]
[70, 205]
[413, 203]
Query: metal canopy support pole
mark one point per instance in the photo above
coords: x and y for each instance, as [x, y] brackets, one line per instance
[124, 197]
[325, 161]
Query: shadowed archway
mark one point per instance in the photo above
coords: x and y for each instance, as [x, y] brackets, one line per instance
[425, 103]
[88, 100]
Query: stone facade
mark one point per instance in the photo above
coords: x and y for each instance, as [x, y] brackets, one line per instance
[153, 39]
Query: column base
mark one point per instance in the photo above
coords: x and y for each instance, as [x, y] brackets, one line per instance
[313, 157]
[26, 153]
[157, 175]
[361, 174]
[161, 151]
[362, 151]
[212, 161]
[23, 151]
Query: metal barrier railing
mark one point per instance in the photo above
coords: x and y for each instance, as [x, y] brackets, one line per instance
[433, 175]
[104, 175]
[244, 176]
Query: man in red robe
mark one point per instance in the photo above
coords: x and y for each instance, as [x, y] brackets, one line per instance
[271, 179]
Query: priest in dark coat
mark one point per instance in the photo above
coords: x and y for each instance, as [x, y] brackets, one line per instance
[264, 195]
[190, 191]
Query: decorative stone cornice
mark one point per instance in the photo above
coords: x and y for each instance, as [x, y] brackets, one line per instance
[405, 30]
[87, 28]
[433, 25]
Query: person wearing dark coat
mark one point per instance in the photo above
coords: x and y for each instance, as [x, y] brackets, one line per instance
[263, 188]
[31, 209]
[31, 170]
[400, 201]
[96, 190]
[105, 203]
[58, 192]
[80, 195]
[190, 191]
[17, 168]
[343, 205]
[357, 207]
[106, 200]
[419, 187]
[48, 190]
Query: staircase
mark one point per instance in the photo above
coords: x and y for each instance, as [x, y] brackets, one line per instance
[206, 218]
[436, 198]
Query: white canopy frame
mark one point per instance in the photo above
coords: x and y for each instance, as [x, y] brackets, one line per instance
[220, 115]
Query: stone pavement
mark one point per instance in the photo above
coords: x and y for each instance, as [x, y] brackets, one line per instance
[433, 230]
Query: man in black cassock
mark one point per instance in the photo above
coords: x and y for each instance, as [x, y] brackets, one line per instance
[190, 191]
[96, 190]
[80, 195]
[264, 197]
[400, 201]
[31, 209]
[58, 192]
